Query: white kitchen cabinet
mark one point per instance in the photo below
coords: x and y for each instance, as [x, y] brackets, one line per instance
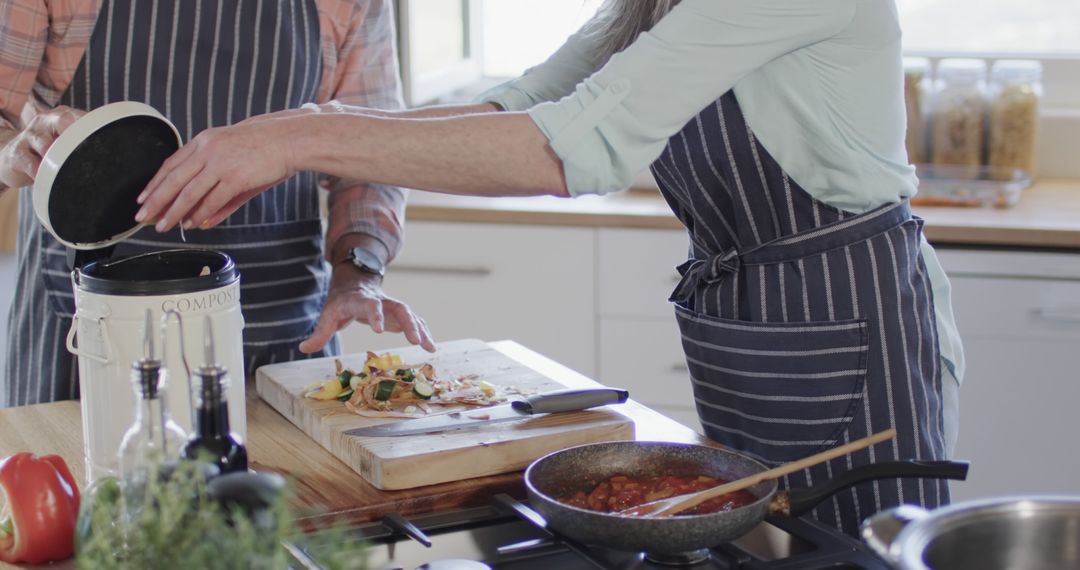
[1019, 317]
[639, 346]
[636, 271]
[644, 355]
[531, 284]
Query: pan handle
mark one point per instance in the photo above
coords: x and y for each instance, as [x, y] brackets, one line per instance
[801, 501]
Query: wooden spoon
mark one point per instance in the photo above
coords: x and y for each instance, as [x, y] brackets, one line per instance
[679, 503]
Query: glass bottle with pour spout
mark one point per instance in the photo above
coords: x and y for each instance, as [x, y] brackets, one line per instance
[212, 440]
[154, 438]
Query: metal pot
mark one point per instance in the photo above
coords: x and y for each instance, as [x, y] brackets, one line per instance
[564, 472]
[1025, 533]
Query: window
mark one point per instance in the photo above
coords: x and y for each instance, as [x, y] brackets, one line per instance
[452, 49]
[475, 39]
[1047, 30]
[521, 33]
[440, 47]
[1032, 27]
[452, 46]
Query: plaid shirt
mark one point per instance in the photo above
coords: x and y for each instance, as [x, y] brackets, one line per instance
[43, 41]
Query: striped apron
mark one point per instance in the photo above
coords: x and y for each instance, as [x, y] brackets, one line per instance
[804, 326]
[202, 63]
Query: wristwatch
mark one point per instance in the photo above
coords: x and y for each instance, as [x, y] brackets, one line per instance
[366, 261]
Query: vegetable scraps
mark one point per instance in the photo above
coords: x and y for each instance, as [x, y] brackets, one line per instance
[41, 506]
[386, 387]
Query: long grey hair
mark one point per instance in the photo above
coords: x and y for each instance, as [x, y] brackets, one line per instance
[619, 22]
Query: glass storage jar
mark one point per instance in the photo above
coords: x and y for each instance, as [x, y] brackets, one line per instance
[916, 90]
[959, 114]
[1015, 94]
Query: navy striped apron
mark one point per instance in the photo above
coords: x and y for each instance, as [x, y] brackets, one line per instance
[804, 326]
[202, 63]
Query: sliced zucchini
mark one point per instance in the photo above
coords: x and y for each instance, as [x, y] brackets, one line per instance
[345, 395]
[345, 377]
[384, 390]
[405, 374]
[423, 389]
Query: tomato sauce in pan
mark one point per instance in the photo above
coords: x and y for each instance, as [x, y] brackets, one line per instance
[622, 492]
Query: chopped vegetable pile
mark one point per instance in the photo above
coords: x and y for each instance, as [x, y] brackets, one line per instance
[385, 387]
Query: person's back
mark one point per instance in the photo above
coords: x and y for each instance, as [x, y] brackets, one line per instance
[832, 113]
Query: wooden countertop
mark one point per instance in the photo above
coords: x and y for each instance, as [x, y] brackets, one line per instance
[324, 486]
[1048, 215]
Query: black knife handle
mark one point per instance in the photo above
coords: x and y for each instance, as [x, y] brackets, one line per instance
[570, 400]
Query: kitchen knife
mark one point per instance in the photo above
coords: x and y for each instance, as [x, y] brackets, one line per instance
[550, 403]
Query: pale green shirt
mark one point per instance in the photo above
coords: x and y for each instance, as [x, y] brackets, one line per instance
[819, 82]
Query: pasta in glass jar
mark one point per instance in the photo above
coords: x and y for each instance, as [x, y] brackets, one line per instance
[959, 114]
[1015, 93]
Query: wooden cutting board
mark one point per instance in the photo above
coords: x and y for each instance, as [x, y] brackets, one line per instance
[413, 461]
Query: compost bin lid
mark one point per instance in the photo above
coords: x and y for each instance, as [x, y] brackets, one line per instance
[85, 189]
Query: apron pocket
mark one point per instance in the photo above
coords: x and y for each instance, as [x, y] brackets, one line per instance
[779, 391]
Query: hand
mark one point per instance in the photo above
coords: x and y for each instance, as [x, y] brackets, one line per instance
[21, 156]
[217, 172]
[357, 296]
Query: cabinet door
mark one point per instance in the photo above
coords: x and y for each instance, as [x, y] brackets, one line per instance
[637, 271]
[1021, 328]
[644, 355]
[639, 346]
[531, 284]
[1018, 418]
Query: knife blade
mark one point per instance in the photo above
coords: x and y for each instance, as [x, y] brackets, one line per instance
[549, 403]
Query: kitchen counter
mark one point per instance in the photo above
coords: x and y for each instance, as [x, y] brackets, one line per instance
[324, 486]
[1047, 216]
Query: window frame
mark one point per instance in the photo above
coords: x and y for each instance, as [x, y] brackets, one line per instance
[430, 87]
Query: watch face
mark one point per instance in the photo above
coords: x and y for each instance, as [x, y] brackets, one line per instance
[366, 261]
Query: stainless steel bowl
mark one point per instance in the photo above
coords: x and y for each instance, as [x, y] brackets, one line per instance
[1021, 533]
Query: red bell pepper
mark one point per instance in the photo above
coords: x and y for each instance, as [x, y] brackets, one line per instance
[41, 506]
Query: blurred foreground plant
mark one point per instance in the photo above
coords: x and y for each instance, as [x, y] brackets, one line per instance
[184, 523]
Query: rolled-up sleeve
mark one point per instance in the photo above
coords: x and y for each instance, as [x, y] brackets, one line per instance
[618, 120]
[366, 75]
[24, 28]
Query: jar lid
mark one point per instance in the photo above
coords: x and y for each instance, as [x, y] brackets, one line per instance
[85, 190]
[962, 70]
[1017, 71]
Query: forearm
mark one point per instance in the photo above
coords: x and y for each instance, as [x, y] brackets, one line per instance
[488, 154]
[433, 112]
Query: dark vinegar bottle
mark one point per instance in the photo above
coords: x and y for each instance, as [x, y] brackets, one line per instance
[211, 439]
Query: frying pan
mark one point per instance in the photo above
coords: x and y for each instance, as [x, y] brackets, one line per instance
[563, 472]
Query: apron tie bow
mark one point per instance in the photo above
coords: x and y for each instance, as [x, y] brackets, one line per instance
[698, 272]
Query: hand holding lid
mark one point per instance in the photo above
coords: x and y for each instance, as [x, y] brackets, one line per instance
[86, 187]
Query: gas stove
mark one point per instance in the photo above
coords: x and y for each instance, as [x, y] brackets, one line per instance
[508, 535]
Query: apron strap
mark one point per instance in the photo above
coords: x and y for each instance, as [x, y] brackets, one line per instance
[699, 272]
